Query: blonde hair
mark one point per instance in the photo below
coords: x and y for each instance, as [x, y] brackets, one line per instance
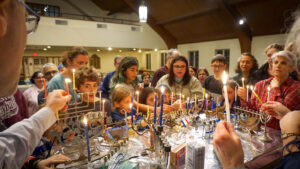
[120, 92]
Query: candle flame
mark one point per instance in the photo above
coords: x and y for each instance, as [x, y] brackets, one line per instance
[67, 80]
[251, 87]
[162, 89]
[103, 101]
[247, 87]
[73, 70]
[269, 89]
[206, 95]
[224, 78]
[85, 120]
[243, 79]
[137, 92]
[130, 105]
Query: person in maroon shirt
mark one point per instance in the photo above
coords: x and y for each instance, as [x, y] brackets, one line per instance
[165, 69]
[13, 109]
[283, 88]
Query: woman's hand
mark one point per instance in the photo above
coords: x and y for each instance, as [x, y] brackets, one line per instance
[242, 93]
[55, 159]
[228, 147]
[275, 109]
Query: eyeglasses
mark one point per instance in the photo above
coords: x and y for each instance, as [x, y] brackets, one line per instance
[32, 18]
[51, 73]
[179, 67]
[217, 66]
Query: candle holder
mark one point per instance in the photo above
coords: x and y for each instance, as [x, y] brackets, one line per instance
[265, 118]
[247, 119]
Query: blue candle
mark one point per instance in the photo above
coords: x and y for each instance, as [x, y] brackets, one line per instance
[189, 103]
[131, 110]
[155, 103]
[206, 101]
[212, 103]
[87, 138]
[162, 106]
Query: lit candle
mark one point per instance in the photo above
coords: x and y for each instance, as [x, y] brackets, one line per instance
[137, 104]
[189, 102]
[87, 138]
[268, 97]
[212, 103]
[187, 105]
[243, 82]
[203, 93]
[103, 110]
[196, 104]
[161, 106]
[155, 105]
[224, 79]
[74, 87]
[45, 89]
[247, 97]
[67, 81]
[217, 104]
[206, 101]
[256, 95]
[180, 101]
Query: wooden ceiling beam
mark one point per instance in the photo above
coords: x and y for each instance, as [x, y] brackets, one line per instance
[169, 39]
[242, 31]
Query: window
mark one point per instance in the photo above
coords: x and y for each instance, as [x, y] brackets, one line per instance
[45, 10]
[226, 53]
[163, 59]
[43, 61]
[194, 58]
[95, 61]
[36, 61]
[148, 61]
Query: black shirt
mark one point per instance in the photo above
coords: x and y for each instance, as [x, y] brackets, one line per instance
[213, 85]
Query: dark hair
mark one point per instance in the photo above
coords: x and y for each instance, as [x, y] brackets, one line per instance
[274, 45]
[72, 54]
[186, 78]
[194, 69]
[145, 93]
[85, 73]
[116, 58]
[204, 70]
[233, 84]
[145, 74]
[218, 58]
[119, 76]
[34, 75]
[254, 67]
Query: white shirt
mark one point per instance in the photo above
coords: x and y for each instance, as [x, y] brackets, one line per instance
[31, 96]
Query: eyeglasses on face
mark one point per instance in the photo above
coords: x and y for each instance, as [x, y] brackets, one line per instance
[217, 66]
[51, 73]
[179, 67]
[32, 18]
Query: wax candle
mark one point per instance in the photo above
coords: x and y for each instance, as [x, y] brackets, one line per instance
[74, 87]
[103, 108]
[217, 104]
[203, 93]
[45, 89]
[137, 104]
[67, 81]
[180, 101]
[256, 95]
[161, 106]
[155, 105]
[189, 99]
[247, 96]
[131, 111]
[268, 97]
[87, 138]
[148, 112]
[206, 101]
[126, 123]
[224, 79]
[196, 104]
[212, 103]
[243, 82]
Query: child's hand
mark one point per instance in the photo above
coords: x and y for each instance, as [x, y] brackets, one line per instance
[242, 93]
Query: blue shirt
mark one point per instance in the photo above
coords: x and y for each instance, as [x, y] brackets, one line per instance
[105, 85]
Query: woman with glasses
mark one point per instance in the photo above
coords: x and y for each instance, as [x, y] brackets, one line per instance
[179, 79]
[31, 94]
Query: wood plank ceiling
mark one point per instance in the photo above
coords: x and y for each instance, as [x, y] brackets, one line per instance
[189, 21]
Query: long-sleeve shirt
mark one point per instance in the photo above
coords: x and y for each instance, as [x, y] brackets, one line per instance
[19, 141]
[31, 95]
[288, 94]
[159, 74]
[105, 85]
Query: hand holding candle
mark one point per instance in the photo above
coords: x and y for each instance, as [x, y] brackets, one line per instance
[67, 81]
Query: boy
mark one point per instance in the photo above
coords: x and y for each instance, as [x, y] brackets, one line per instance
[214, 82]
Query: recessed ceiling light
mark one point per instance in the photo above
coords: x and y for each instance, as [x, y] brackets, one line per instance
[140, 50]
[48, 47]
[98, 50]
[134, 49]
[45, 49]
[120, 50]
[155, 49]
[109, 48]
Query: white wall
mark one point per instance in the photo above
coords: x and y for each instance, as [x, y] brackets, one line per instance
[86, 33]
[207, 49]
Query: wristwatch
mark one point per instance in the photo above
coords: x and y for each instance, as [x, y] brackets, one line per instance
[286, 135]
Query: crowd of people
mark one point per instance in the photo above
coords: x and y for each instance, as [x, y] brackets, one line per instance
[26, 117]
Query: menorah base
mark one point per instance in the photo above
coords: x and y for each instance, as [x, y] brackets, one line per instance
[265, 138]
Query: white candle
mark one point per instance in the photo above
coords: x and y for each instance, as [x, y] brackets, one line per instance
[243, 82]
[180, 100]
[268, 98]
[247, 97]
[224, 79]
[103, 110]
[137, 100]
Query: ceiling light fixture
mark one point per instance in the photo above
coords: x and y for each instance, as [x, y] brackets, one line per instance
[48, 47]
[120, 50]
[143, 12]
[98, 50]
[155, 49]
[241, 21]
[140, 51]
[45, 49]
[109, 48]
[134, 49]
